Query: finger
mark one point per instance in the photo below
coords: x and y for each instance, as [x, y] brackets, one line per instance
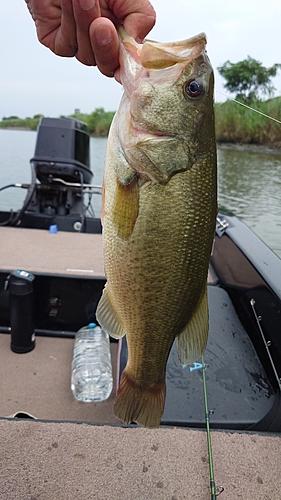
[117, 75]
[137, 16]
[55, 25]
[65, 43]
[105, 44]
[85, 12]
[138, 25]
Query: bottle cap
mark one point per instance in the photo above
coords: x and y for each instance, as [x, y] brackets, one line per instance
[53, 229]
[92, 325]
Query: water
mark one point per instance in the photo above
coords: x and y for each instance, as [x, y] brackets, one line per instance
[249, 181]
[91, 377]
[250, 187]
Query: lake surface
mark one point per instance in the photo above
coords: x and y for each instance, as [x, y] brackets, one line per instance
[250, 187]
[249, 181]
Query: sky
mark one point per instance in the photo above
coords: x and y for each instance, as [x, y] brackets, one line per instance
[33, 80]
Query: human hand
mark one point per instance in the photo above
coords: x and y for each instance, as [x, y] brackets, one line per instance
[86, 29]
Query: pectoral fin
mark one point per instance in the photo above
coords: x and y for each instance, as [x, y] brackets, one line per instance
[107, 316]
[192, 341]
[126, 207]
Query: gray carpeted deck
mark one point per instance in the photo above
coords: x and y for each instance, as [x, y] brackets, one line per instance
[38, 251]
[67, 461]
[38, 382]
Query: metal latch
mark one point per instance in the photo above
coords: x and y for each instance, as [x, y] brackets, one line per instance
[221, 226]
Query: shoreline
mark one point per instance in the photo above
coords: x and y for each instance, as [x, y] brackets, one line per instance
[236, 146]
[252, 148]
[23, 129]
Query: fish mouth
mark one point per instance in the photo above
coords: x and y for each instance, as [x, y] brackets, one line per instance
[149, 53]
[137, 59]
[148, 134]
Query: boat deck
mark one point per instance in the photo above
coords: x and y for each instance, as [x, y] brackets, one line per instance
[40, 252]
[38, 383]
[54, 457]
[66, 461]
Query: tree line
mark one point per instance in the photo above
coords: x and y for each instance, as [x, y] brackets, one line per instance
[250, 83]
[98, 122]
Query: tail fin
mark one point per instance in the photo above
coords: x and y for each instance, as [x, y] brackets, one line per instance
[136, 404]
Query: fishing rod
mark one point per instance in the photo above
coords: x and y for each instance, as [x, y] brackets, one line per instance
[215, 491]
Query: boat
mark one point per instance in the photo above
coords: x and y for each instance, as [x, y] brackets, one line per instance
[56, 239]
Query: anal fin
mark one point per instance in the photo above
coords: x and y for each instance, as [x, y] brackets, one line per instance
[192, 341]
[107, 317]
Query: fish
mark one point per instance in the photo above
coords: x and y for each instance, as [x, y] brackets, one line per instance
[158, 214]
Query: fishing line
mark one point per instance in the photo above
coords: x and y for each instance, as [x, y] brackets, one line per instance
[214, 491]
[249, 107]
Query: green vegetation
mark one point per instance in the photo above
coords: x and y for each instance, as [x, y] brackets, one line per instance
[98, 122]
[248, 79]
[234, 123]
[251, 84]
[238, 124]
[19, 123]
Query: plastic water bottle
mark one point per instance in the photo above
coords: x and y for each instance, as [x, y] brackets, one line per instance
[91, 377]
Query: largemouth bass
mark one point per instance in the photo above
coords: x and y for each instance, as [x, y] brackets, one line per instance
[159, 210]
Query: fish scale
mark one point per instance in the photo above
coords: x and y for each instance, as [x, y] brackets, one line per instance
[159, 217]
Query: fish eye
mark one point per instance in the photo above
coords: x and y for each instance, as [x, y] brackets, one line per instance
[194, 88]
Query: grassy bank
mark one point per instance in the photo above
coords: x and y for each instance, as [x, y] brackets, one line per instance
[234, 123]
[237, 124]
[98, 122]
[20, 123]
